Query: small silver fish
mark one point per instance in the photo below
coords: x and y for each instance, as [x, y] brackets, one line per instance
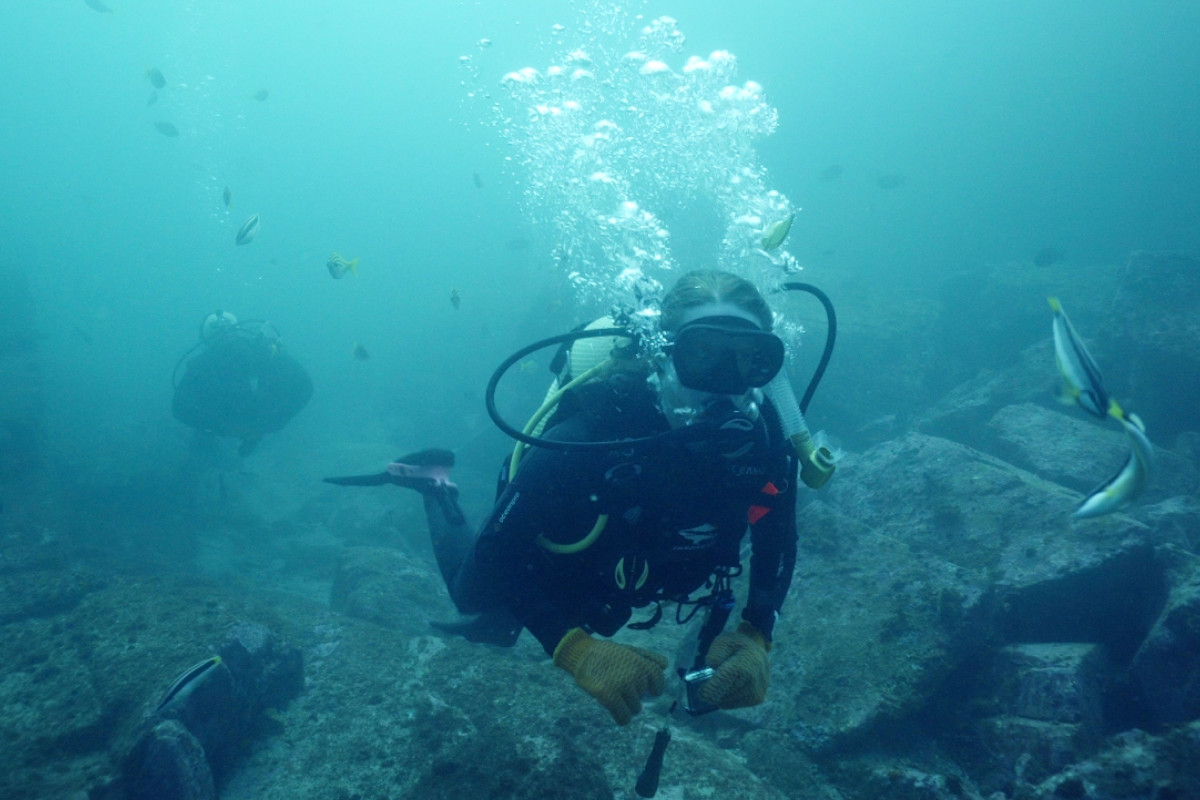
[1121, 489]
[248, 231]
[187, 681]
[1082, 382]
[777, 232]
[339, 266]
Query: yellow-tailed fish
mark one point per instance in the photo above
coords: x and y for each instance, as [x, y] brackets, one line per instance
[777, 232]
[339, 266]
[1082, 383]
[187, 681]
[1121, 489]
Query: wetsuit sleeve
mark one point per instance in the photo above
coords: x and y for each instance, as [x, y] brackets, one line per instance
[773, 557]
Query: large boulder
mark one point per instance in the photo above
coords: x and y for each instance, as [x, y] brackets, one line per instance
[1166, 666]
[925, 554]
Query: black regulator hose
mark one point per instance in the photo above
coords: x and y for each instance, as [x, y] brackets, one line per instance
[830, 338]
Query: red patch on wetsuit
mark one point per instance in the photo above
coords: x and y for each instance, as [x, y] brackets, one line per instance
[755, 513]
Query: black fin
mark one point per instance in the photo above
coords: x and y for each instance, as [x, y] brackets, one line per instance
[378, 479]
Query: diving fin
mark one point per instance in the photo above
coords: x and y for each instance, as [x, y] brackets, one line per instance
[378, 479]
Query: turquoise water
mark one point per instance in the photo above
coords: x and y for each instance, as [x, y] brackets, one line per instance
[917, 139]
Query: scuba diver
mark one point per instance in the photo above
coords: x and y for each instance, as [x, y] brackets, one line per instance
[636, 488]
[240, 385]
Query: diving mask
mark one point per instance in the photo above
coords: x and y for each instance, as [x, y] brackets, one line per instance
[725, 355]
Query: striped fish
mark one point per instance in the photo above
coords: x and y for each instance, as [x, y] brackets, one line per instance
[188, 681]
[1121, 489]
[248, 231]
[1082, 383]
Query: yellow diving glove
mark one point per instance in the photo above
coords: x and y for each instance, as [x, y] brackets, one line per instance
[743, 669]
[615, 674]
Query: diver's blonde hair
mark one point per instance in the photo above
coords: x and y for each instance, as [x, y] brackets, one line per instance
[713, 286]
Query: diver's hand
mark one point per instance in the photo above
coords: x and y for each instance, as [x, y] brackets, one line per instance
[617, 675]
[743, 669]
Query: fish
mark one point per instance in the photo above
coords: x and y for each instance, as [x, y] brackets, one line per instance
[517, 244]
[261, 95]
[152, 99]
[155, 76]
[777, 232]
[890, 181]
[1082, 382]
[248, 231]
[227, 196]
[96, 5]
[360, 352]
[830, 173]
[455, 298]
[1047, 256]
[186, 683]
[81, 334]
[478, 180]
[338, 266]
[1122, 488]
[167, 129]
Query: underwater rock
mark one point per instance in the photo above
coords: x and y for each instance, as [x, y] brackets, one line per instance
[1019, 749]
[1157, 304]
[1167, 665]
[1053, 682]
[925, 553]
[1062, 447]
[1154, 338]
[188, 744]
[1135, 764]
[373, 583]
[169, 763]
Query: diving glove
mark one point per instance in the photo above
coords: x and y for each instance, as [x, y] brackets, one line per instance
[617, 675]
[743, 671]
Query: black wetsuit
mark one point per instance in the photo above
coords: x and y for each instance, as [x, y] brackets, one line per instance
[241, 385]
[675, 513]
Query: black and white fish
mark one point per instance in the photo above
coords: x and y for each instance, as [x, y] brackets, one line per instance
[187, 682]
[248, 231]
[1121, 489]
[1082, 382]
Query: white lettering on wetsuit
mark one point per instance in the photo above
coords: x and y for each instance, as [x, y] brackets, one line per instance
[504, 514]
[698, 538]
